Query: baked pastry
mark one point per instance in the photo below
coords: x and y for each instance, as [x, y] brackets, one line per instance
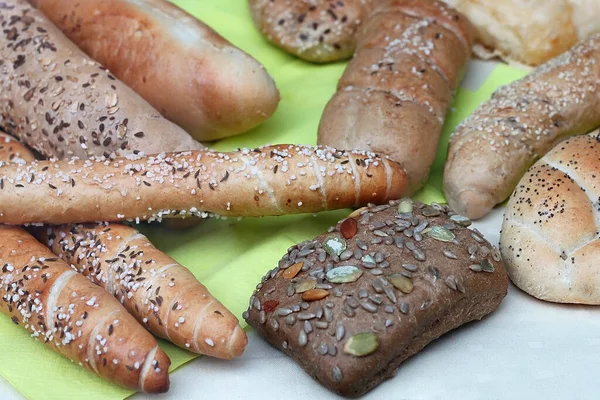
[271, 180]
[352, 304]
[396, 91]
[181, 66]
[491, 149]
[318, 31]
[160, 293]
[61, 103]
[550, 239]
[529, 31]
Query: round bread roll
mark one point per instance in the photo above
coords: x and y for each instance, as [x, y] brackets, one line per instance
[550, 238]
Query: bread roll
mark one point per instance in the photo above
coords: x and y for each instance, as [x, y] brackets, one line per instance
[61, 103]
[529, 31]
[181, 66]
[396, 91]
[491, 149]
[550, 238]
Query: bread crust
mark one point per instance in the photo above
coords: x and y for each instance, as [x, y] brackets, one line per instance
[181, 66]
[491, 150]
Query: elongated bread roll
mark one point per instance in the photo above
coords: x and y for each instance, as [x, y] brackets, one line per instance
[181, 66]
[62, 103]
[529, 31]
[396, 91]
[76, 318]
[271, 180]
[11, 150]
[315, 30]
[163, 295]
[551, 233]
[491, 150]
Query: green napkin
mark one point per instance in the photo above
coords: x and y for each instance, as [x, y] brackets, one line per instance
[230, 256]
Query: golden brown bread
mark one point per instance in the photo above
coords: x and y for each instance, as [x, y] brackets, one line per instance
[159, 292]
[491, 150]
[396, 91]
[62, 103]
[319, 31]
[181, 66]
[551, 232]
[272, 180]
[11, 150]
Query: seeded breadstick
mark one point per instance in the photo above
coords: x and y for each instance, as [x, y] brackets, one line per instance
[62, 103]
[271, 180]
[491, 150]
[314, 30]
[163, 295]
[396, 91]
[11, 150]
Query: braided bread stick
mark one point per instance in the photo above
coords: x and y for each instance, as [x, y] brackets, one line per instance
[181, 66]
[62, 103]
[71, 315]
[396, 91]
[319, 31]
[491, 150]
[272, 180]
[163, 295]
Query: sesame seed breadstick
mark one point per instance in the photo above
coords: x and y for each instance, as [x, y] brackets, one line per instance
[491, 150]
[11, 150]
[60, 102]
[396, 91]
[163, 295]
[272, 180]
[319, 31]
[185, 69]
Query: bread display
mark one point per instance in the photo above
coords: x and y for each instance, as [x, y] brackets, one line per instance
[507, 29]
[272, 180]
[491, 150]
[181, 66]
[550, 238]
[62, 103]
[352, 304]
[396, 91]
[164, 296]
[318, 31]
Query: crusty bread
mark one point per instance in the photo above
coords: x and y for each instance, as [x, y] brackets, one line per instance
[551, 232]
[396, 91]
[62, 103]
[403, 274]
[491, 150]
[181, 66]
[529, 31]
[272, 180]
[319, 31]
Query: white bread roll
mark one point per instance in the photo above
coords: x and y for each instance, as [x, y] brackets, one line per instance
[550, 238]
[529, 31]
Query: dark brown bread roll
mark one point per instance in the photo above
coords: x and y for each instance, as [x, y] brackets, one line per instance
[352, 304]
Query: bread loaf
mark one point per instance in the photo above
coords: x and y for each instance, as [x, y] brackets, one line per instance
[491, 150]
[529, 31]
[396, 91]
[351, 305]
[62, 103]
[181, 66]
[319, 31]
[272, 180]
[550, 236]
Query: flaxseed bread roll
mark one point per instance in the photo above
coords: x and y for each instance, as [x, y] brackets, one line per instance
[550, 237]
[62, 103]
[352, 304]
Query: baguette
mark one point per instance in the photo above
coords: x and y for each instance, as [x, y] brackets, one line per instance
[193, 76]
[396, 91]
[61, 103]
[318, 31]
[161, 294]
[491, 150]
[272, 180]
